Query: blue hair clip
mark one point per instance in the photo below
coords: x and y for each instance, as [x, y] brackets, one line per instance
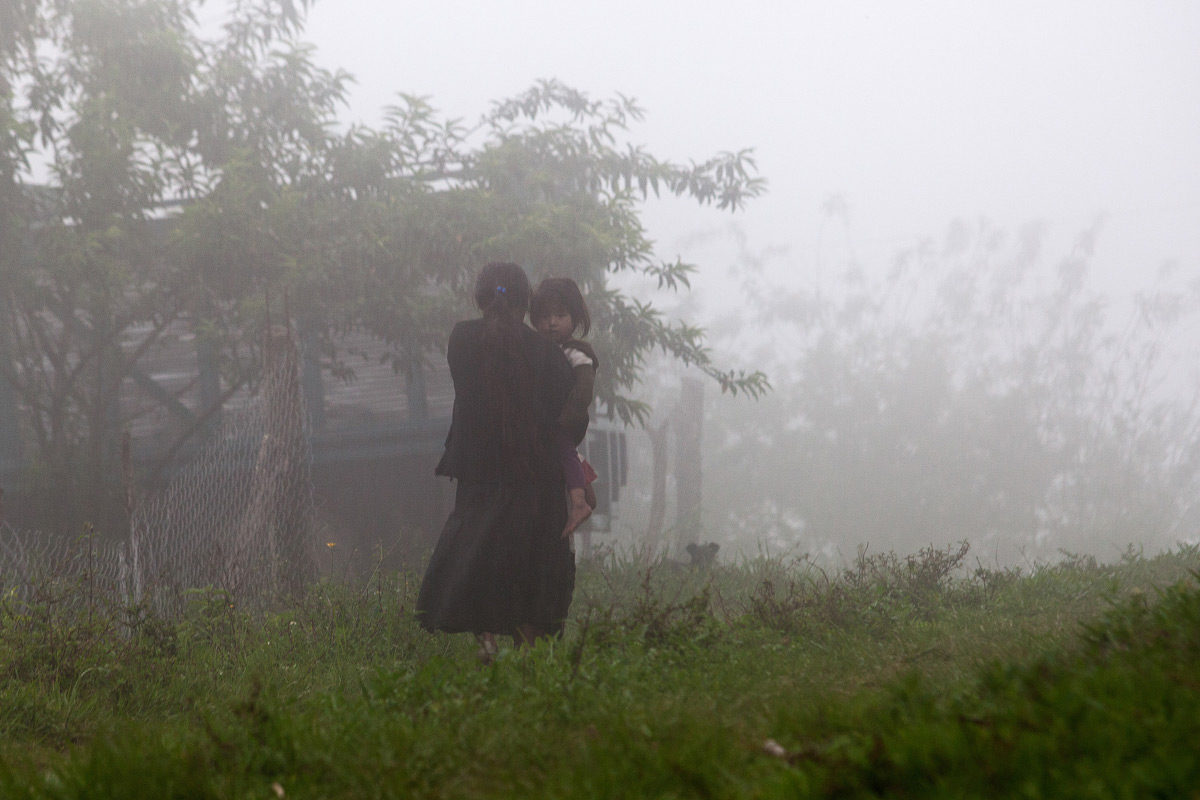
[501, 290]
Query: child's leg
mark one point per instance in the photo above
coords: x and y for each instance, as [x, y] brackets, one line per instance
[589, 476]
[577, 507]
[572, 466]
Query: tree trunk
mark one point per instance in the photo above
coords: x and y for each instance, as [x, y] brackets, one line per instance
[272, 547]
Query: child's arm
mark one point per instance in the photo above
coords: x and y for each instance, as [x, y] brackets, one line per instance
[574, 416]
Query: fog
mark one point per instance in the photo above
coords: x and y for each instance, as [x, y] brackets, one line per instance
[1063, 133]
[916, 114]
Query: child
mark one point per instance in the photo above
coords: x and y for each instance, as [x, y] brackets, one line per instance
[557, 310]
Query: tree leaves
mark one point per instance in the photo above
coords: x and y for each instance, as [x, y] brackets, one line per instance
[193, 179]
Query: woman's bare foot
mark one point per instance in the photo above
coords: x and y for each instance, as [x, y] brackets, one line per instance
[577, 511]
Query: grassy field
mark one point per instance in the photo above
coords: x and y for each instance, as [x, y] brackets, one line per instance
[896, 677]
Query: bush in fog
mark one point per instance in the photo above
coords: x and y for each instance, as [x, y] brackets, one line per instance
[970, 392]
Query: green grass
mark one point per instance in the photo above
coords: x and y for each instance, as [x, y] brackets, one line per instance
[897, 677]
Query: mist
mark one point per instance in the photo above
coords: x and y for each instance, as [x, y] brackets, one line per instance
[972, 281]
[983, 388]
[888, 388]
[1061, 113]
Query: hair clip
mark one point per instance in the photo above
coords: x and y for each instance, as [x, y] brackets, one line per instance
[501, 290]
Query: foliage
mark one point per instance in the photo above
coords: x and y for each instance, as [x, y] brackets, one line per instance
[870, 593]
[546, 180]
[196, 184]
[129, 113]
[974, 391]
[1017, 684]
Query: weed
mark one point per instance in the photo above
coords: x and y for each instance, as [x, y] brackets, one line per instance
[894, 675]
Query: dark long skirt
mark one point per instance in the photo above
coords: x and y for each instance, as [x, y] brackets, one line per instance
[499, 563]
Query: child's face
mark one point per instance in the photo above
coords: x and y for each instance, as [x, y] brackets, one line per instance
[557, 324]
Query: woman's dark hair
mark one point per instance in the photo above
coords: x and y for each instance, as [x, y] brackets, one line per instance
[502, 294]
[502, 287]
[555, 293]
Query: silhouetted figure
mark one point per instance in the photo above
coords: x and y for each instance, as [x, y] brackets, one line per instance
[501, 564]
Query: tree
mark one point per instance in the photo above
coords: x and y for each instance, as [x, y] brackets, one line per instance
[196, 182]
[543, 179]
[130, 112]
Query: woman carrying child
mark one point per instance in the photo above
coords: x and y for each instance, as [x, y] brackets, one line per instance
[501, 564]
[558, 311]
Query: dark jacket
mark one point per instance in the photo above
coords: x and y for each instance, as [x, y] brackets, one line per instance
[473, 445]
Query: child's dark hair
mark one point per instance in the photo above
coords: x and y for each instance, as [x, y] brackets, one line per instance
[555, 293]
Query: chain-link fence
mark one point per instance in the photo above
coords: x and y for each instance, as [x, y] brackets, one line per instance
[80, 569]
[237, 517]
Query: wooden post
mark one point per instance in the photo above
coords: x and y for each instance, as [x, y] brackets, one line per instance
[310, 377]
[210, 382]
[10, 430]
[414, 384]
[689, 429]
[658, 491]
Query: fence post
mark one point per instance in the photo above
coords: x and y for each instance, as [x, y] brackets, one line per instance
[210, 381]
[658, 490]
[10, 428]
[689, 429]
[310, 376]
[414, 384]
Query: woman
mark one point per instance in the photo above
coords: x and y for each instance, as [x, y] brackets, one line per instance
[501, 565]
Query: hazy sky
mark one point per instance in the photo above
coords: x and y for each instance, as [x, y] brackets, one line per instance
[915, 112]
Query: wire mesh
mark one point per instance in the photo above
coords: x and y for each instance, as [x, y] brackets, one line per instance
[237, 517]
